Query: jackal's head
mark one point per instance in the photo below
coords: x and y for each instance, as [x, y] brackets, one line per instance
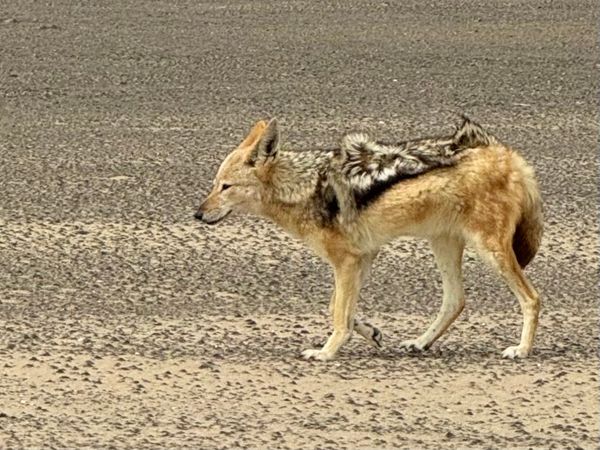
[237, 185]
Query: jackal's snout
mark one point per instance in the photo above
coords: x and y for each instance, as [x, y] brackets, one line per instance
[205, 217]
[211, 211]
[209, 219]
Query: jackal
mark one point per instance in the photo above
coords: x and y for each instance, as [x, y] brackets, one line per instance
[345, 203]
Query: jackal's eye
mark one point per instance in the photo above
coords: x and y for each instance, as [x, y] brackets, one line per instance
[225, 187]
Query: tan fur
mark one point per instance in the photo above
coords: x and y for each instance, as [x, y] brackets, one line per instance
[254, 135]
[488, 201]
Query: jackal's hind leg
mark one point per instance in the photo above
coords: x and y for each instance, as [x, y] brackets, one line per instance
[448, 256]
[504, 261]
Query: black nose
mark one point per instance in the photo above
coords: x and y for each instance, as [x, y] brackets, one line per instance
[198, 215]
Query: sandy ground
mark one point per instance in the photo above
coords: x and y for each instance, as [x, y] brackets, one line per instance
[125, 324]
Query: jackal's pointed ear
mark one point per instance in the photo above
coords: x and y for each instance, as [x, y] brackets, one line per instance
[268, 144]
[254, 134]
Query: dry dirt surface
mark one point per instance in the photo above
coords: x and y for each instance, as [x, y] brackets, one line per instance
[126, 324]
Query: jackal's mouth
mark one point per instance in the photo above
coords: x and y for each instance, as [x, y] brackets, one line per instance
[209, 220]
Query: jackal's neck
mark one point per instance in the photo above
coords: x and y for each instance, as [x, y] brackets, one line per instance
[293, 193]
[294, 176]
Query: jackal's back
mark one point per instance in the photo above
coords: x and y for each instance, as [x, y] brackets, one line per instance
[371, 167]
[490, 190]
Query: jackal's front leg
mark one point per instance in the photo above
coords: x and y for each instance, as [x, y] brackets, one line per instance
[348, 276]
[370, 333]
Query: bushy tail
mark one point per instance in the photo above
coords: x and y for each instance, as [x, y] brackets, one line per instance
[528, 234]
[471, 135]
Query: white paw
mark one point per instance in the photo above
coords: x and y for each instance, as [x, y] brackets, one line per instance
[515, 352]
[413, 345]
[319, 355]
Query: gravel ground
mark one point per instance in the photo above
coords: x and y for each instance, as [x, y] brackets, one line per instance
[126, 324]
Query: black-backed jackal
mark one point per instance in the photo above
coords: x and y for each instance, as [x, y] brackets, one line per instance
[345, 203]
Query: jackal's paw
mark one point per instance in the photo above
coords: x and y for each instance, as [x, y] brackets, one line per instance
[372, 335]
[376, 338]
[413, 346]
[515, 352]
[319, 355]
